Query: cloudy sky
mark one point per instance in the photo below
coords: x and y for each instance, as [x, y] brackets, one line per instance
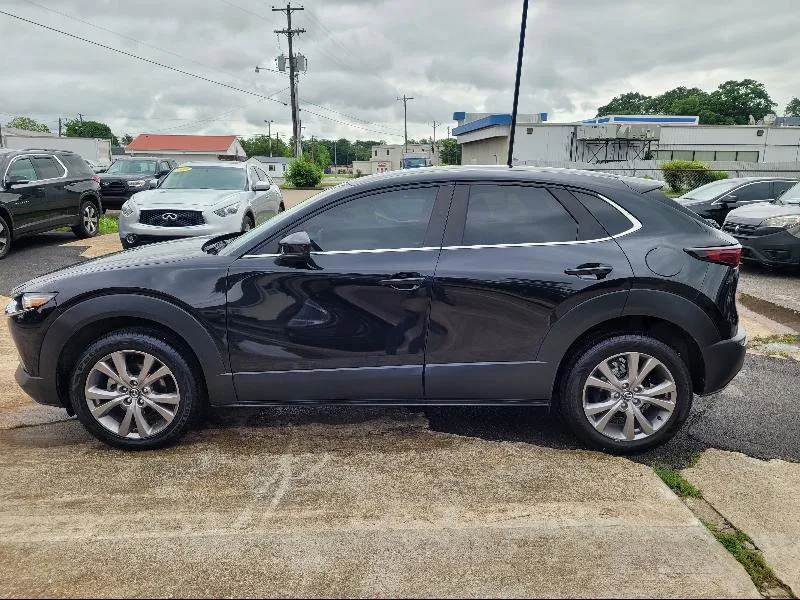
[449, 55]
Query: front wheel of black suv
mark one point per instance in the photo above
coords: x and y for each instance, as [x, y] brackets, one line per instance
[134, 390]
[89, 223]
[5, 237]
[626, 394]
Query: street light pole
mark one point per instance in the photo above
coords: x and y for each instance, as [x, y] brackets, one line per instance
[516, 84]
[269, 133]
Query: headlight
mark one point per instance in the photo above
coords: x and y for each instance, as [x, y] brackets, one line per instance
[127, 209]
[231, 209]
[784, 221]
[27, 302]
[137, 183]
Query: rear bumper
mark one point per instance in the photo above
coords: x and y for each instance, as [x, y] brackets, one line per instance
[38, 388]
[775, 249]
[723, 361]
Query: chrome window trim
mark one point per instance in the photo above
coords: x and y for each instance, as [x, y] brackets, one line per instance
[635, 226]
[40, 155]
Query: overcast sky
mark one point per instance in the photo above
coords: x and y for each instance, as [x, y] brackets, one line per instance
[450, 55]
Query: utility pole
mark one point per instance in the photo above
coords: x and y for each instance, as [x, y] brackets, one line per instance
[59, 126]
[434, 134]
[448, 132]
[290, 33]
[405, 100]
[312, 149]
[516, 84]
[335, 160]
[269, 134]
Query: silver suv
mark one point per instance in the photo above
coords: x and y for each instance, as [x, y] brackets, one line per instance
[200, 198]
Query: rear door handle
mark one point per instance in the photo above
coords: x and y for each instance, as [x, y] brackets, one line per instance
[588, 270]
[404, 284]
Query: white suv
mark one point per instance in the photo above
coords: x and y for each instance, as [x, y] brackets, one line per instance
[200, 198]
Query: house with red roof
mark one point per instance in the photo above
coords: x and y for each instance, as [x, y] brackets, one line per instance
[184, 148]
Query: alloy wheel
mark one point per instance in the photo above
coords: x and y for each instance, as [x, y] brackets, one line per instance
[3, 238]
[132, 394]
[629, 396]
[90, 219]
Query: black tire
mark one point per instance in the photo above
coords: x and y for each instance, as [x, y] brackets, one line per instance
[585, 360]
[6, 237]
[248, 223]
[88, 220]
[167, 354]
[281, 208]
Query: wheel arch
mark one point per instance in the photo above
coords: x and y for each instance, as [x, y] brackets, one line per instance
[92, 318]
[6, 214]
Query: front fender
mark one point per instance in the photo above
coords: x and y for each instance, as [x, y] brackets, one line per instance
[212, 358]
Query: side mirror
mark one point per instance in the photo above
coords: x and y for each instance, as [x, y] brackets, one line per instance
[295, 245]
[261, 186]
[153, 183]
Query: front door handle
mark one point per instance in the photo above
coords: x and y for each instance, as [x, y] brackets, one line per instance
[588, 270]
[404, 284]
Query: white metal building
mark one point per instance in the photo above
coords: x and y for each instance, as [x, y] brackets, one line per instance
[388, 157]
[275, 166]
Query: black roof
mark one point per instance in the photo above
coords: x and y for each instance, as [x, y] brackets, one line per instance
[502, 173]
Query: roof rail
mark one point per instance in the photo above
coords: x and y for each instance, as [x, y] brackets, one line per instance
[46, 150]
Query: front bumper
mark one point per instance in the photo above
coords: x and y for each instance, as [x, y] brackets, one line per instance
[774, 249]
[38, 388]
[142, 234]
[723, 361]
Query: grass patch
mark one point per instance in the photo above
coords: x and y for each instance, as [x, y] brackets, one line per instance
[108, 225]
[677, 482]
[741, 547]
[785, 338]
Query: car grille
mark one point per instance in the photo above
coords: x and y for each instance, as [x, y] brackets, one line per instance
[740, 229]
[114, 187]
[171, 218]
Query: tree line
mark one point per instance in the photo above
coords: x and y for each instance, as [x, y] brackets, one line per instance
[73, 128]
[732, 103]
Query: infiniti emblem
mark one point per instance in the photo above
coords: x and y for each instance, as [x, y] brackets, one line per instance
[169, 217]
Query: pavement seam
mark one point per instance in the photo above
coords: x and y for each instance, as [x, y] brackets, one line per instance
[720, 526]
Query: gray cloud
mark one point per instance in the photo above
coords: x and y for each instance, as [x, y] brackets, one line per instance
[449, 54]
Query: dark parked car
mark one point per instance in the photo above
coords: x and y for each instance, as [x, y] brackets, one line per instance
[593, 294]
[44, 190]
[716, 199]
[128, 175]
[769, 232]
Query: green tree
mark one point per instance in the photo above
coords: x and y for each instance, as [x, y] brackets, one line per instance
[737, 100]
[450, 154]
[630, 103]
[126, 139]
[261, 145]
[303, 172]
[90, 129]
[28, 124]
[793, 108]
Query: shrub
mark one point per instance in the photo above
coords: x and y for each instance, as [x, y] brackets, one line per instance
[686, 174]
[303, 173]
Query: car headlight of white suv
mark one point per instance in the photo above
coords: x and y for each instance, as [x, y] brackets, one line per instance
[231, 209]
[790, 223]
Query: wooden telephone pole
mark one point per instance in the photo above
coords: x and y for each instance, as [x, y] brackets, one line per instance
[290, 33]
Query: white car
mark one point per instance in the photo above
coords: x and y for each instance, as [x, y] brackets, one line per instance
[200, 198]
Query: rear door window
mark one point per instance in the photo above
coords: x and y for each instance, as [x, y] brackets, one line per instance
[47, 167]
[754, 191]
[515, 214]
[778, 187]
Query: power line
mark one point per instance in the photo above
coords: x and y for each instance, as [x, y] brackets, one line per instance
[306, 111]
[147, 60]
[349, 116]
[245, 10]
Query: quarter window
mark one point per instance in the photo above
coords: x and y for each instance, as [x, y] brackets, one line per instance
[394, 219]
[22, 169]
[613, 221]
[513, 214]
[47, 168]
[781, 186]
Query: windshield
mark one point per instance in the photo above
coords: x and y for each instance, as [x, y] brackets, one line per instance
[791, 196]
[132, 167]
[412, 163]
[248, 239]
[205, 178]
[709, 191]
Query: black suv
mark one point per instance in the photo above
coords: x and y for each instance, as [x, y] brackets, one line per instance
[716, 199]
[593, 294]
[130, 174]
[43, 190]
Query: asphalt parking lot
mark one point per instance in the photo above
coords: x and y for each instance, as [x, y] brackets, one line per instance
[344, 501]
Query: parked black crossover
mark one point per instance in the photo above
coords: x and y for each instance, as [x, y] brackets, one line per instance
[128, 175]
[593, 294]
[43, 190]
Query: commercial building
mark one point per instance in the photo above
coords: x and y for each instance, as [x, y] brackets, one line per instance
[184, 148]
[389, 157]
[624, 138]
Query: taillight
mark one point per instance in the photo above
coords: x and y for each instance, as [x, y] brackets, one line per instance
[723, 255]
[96, 179]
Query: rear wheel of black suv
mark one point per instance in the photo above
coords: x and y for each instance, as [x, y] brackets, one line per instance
[626, 394]
[89, 223]
[5, 237]
[134, 390]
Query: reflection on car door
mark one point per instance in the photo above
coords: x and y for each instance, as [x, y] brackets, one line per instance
[26, 202]
[350, 324]
[62, 204]
[515, 258]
